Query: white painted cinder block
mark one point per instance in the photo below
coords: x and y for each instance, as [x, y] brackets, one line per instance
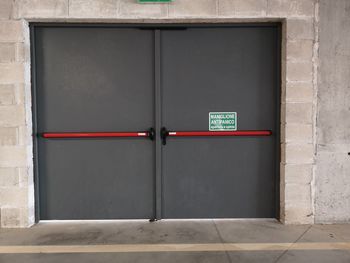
[6, 8]
[92, 8]
[11, 73]
[11, 31]
[297, 173]
[193, 8]
[298, 194]
[41, 9]
[298, 215]
[8, 135]
[240, 8]
[7, 52]
[299, 71]
[9, 177]
[13, 156]
[299, 113]
[12, 115]
[299, 133]
[299, 92]
[13, 196]
[133, 9]
[291, 8]
[300, 50]
[7, 94]
[297, 154]
[10, 217]
[300, 29]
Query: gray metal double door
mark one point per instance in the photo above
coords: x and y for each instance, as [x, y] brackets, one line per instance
[91, 83]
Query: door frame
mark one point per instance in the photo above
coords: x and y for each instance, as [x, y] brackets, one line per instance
[157, 91]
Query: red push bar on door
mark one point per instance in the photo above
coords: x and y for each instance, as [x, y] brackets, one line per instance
[49, 135]
[218, 133]
[93, 134]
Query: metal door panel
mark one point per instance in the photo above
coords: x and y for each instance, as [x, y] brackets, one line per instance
[99, 79]
[95, 80]
[96, 179]
[102, 77]
[220, 70]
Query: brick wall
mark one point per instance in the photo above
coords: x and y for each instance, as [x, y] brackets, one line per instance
[299, 64]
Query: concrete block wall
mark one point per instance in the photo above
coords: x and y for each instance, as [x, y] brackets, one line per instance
[16, 180]
[299, 85]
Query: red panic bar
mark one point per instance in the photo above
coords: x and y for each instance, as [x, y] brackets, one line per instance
[218, 133]
[94, 134]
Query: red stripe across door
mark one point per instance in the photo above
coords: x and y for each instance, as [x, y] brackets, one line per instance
[218, 133]
[94, 134]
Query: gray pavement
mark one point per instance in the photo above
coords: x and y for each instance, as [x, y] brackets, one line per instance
[176, 241]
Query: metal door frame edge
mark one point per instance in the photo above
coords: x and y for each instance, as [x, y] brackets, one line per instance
[156, 27]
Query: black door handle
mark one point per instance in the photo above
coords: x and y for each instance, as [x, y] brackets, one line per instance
[151, 134]
[163, 134]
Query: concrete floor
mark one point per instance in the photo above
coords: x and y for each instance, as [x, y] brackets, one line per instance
[175, 241]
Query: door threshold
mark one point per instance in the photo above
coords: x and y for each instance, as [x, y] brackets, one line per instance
[223, 219]
[101, 221]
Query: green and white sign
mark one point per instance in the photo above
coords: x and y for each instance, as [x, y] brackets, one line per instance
[222, 121]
